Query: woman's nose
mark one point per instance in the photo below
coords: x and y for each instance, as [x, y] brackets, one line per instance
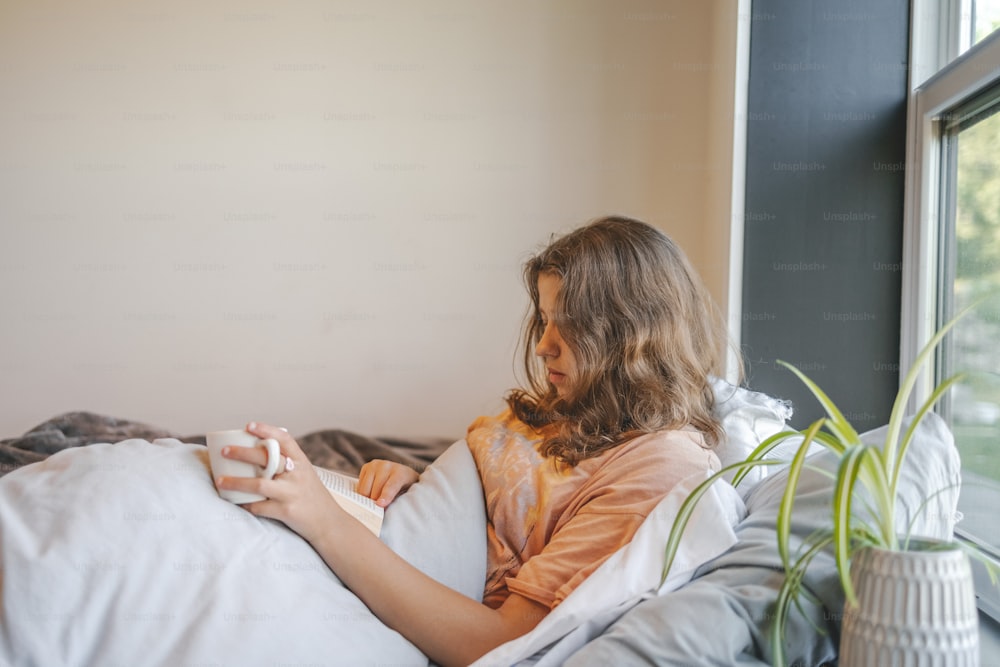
[547, 345]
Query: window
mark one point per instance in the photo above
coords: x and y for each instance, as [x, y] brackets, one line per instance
[979, 18]
[952, 241]
[969, 258]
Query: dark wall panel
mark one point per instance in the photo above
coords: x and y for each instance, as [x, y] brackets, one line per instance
[824, 202]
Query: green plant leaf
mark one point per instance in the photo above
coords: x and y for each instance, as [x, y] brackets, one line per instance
[910, 381]
[830, 442]
[788, 497]
[789, 592]
[837, 423]
[874, 479]
[920, 510]
[992, 569]
[688, 506]
[761, 450]
[847, 475]
[917, 418]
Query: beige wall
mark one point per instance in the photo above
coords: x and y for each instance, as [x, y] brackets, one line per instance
[313, 213]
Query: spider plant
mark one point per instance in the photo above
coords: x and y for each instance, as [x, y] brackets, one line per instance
[876, 468]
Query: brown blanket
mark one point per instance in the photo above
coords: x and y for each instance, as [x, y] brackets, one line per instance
[332, 448]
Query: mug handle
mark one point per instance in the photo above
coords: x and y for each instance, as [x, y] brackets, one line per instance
[273, 457]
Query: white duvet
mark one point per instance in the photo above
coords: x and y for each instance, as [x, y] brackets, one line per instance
[125, 555]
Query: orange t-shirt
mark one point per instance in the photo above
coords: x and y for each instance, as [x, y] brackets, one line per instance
[550, 525]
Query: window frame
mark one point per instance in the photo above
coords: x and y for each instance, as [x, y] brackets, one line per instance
[940, 81]
[960, 81]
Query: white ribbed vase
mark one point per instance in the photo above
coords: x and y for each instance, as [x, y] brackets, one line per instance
[915, 609]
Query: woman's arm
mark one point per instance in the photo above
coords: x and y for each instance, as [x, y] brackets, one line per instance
[447, 626]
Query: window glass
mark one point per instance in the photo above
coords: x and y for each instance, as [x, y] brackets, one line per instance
[972, 266]
[979, 19]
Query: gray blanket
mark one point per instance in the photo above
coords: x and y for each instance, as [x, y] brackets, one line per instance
[331, 448]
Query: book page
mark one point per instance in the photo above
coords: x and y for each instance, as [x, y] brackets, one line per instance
[342, 488]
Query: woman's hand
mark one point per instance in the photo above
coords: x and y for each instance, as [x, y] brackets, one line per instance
[295, 496]
[382, 480]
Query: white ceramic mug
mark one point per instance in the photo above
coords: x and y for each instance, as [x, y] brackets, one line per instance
[223, 467]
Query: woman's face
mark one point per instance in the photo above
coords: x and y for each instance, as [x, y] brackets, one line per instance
[560, 363]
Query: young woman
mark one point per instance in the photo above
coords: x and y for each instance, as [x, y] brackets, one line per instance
[618, 347]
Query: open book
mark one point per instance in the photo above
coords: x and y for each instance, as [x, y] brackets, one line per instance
[342, 488]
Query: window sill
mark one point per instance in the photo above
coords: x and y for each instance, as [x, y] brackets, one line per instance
[989, 640]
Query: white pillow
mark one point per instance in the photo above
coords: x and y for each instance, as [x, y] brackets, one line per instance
[749, 418]
[439, 524]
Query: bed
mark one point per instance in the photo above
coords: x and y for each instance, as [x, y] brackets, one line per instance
[115, 549]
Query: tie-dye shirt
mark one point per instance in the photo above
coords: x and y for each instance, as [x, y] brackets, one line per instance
[551, 525]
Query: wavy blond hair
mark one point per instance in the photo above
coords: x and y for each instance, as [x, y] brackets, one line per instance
[645, 333]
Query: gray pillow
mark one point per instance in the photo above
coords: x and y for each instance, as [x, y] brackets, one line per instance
[724, 615]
